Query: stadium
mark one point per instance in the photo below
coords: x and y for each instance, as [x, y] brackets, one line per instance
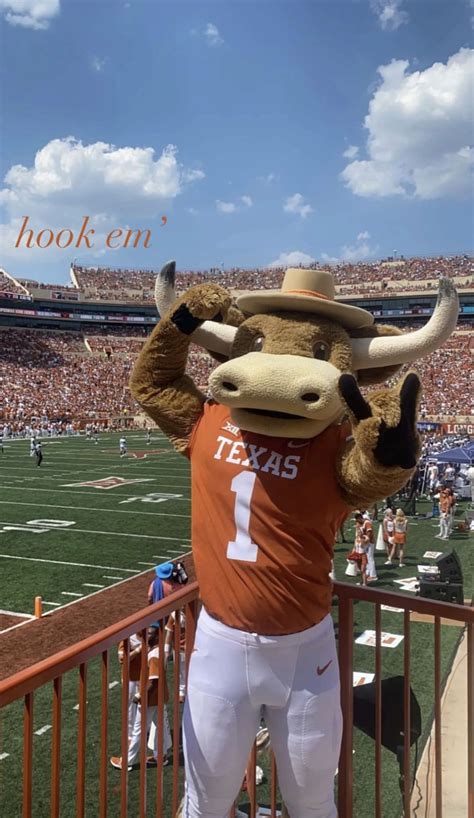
[85, 523]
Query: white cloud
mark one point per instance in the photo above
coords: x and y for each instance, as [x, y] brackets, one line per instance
[112, 185]
[233, 207]
[351, 152]
[419, 132]
[361, 251]
[268, 179]
[225, 207]
[98, 63]
[212, 35]
[389, 14]
[293, 259]
[296, 204]
[358, 252]
[35, 14]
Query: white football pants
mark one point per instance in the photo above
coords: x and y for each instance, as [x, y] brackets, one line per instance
[235, 679]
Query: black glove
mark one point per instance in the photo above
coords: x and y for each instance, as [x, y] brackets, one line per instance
[395, 445]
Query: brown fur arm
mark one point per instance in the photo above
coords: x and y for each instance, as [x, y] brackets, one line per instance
[158, 381]
[382, 455]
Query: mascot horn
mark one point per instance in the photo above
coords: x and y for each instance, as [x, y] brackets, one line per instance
[284, 450]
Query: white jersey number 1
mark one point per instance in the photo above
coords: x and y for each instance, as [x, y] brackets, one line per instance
[242, 548]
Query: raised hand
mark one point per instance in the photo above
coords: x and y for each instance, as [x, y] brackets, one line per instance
[386, 423]
[204, 302]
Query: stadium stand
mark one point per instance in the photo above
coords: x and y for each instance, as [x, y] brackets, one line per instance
[64, 375]
[8, 284]
[378, 278]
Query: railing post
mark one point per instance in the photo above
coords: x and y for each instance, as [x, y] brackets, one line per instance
[346, 627]
[470, 718]
[27, 755]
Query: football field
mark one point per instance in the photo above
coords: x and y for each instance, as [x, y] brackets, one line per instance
[86, 520]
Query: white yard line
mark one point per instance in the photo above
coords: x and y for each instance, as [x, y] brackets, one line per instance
[54, 604]
[53, 474]
[76, 601]
[62, 562]
[70, 593]
[105, 576]
[92, 508]
[92, 493]
[160, 556]
[15, 613]
[110, 533]
[175, 552]
[146, 563]
[43, 730]
[112, 685]
[92, 585]
[4, 755]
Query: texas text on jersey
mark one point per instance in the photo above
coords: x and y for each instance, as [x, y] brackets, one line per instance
[265, 520]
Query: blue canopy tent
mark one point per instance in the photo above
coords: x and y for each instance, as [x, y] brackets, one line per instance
[460, 454]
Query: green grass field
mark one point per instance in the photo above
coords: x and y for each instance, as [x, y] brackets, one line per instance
[64, 541]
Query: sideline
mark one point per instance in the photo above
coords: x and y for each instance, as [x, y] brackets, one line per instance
[453, 749]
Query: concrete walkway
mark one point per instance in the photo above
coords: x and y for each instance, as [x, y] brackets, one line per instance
[454, 750]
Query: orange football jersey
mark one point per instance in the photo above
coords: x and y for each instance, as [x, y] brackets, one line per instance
[266, 511]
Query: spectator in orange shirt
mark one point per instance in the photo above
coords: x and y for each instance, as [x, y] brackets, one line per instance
[444, 512]
[151, 711]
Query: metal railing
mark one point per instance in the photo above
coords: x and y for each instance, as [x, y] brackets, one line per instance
[26, 683]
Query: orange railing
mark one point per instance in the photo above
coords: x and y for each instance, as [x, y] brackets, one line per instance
[25, 684]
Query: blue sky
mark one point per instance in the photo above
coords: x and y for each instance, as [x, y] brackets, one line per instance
[260, 100]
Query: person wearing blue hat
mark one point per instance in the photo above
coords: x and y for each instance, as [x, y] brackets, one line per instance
[162, 585]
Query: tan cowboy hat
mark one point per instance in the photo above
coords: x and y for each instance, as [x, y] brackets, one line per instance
[306, 291]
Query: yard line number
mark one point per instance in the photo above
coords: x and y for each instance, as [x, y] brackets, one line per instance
[38, 526]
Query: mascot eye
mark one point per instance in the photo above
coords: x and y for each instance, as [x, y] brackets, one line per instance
[321, 351]
[257, 343]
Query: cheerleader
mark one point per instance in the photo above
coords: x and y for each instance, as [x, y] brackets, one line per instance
[388, 527]
[399, 536]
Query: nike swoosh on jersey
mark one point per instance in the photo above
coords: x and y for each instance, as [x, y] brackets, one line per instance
[293, 445]
[321, 670]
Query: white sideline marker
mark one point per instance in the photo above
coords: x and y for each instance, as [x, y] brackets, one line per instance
[145, 563]
[70, 593]
[4, 755]
[106, 577]
[54, 604]
[112, 684]
[160, 556]
[43, 730]
[92, 585]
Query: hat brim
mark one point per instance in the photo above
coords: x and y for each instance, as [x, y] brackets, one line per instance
[264, 301]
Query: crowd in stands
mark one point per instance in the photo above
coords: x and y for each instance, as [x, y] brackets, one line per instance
[105, 278]
[378, 278]
[9, 285]
[53, 375]
[113, 344]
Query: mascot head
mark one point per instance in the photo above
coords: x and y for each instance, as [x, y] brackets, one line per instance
[282, 352]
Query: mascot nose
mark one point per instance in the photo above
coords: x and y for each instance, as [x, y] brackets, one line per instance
[229, 386]
[310, 397]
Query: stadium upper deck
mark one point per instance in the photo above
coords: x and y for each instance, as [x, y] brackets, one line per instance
[382, 279]
[68, 353]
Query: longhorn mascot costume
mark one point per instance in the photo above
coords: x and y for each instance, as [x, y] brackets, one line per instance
[283, 451]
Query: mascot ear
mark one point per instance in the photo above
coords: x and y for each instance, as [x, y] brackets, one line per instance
[370, 377]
